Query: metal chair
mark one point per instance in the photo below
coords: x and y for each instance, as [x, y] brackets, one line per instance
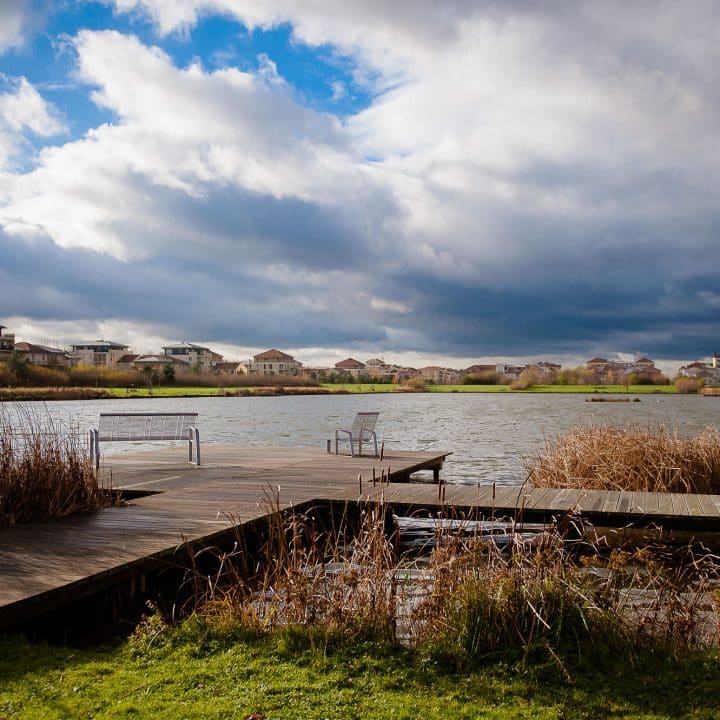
[362, 431]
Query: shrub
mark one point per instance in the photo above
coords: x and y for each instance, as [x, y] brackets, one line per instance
[41, 376]
[488, 377]
[7, 376]
[104, 376]
[414, 383]
[688, 385]
[527, 379]
[630, 458]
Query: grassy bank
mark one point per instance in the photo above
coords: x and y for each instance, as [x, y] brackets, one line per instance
[189, 674]
[572, 389]
[20, 394]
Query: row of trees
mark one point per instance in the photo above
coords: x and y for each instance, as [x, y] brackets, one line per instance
[17, 371]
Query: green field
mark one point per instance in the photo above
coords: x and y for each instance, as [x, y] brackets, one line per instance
[363, 388]
[190, 676]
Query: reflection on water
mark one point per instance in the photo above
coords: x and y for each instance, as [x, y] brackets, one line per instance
[490, 435]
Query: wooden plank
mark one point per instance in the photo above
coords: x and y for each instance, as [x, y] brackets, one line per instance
[665, 505]
[645, 503]
[709, 509]
[624, 503]
[679, 504]
[611, 498]
[594, 501]
[693, 505]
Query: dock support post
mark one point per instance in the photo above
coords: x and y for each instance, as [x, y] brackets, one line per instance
[436, 473]
[329, 446]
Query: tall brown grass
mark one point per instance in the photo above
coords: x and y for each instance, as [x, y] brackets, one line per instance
[23, 394]
[332, 586]
[541, 603]
[469, 602]
[711, 391]
[44, 472]
[654, 459]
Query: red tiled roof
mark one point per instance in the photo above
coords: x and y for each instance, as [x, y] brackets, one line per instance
[349, 364]
[273, 354]
[596, 360]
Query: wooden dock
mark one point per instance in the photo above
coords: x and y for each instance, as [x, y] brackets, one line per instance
[175, 505]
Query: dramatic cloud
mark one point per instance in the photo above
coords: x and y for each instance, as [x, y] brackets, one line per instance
[523, 180]
[23, 114]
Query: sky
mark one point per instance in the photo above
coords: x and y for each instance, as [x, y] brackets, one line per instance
[432, 183]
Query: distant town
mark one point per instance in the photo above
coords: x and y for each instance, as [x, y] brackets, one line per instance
[186, 357]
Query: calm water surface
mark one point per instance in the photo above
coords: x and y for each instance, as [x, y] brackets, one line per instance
[490, 435]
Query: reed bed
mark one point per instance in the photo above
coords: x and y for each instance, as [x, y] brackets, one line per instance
[44, 473]
[470, 602]
[309, 580]
[711, 391]
[24, 394]
[542, 603]
[598, 457]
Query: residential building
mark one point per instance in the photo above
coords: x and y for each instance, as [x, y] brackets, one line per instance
[617, 370]
[7, 344]
[273, 362]
[193, 356]
[100, 352]
[436, 375]
[43, 355]
[352, 367]
[127, 361]
[376, 368]
[709, 373]
[509, 372]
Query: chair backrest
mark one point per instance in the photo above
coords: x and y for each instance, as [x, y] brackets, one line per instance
[364, 424]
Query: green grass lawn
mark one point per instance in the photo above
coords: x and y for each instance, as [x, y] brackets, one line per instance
[193, 677]
[165, 391]
[175, 391]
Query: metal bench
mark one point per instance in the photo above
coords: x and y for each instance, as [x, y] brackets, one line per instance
[145, 427]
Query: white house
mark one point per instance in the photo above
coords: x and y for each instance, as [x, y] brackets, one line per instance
[100, 352]
[192, 355]
[350, 366]
[273, 362]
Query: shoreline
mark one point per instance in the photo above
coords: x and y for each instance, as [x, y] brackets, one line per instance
[31, 394]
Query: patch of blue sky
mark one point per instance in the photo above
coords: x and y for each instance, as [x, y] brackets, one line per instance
[48, 61]
[321, 77]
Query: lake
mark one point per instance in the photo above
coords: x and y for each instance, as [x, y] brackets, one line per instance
[490, 435]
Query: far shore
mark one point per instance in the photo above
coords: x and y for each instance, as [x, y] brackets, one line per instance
[27, 394]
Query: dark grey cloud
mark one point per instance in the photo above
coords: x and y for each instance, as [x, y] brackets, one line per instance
[561, 202]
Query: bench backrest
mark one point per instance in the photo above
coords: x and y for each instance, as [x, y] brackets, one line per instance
[364, 424]
[146, 426]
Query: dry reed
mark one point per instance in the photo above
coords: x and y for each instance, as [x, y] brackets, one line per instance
[641, 459]
[44, 473]
[540, 604]
[471, 601]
